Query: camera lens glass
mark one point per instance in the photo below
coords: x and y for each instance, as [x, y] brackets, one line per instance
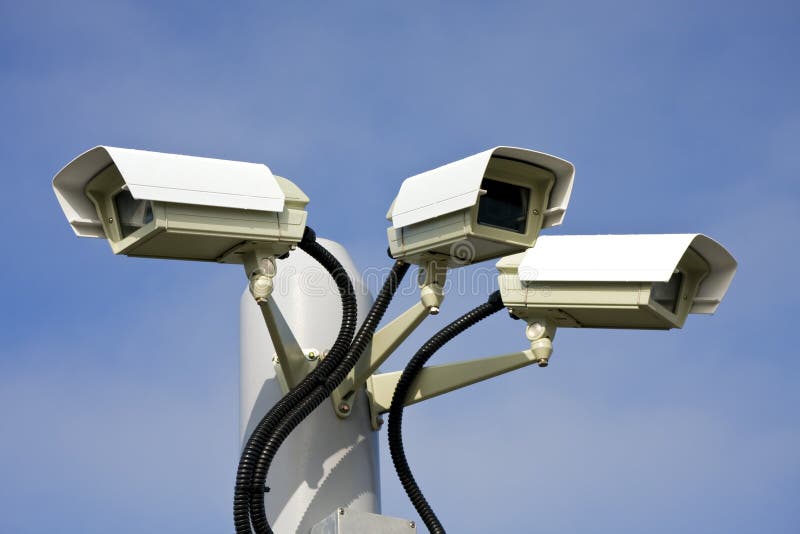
[132, 213]
[504, 206]
[667, 293]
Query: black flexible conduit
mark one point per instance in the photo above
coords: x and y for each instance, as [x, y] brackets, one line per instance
[493, 305]
[245, 488]
[320, 393]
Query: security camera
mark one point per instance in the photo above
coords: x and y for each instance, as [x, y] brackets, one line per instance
[156, 205]
[616, 281]
[485, 206]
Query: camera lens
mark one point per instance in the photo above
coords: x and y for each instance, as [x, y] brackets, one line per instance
[132, 213]
[504, 206]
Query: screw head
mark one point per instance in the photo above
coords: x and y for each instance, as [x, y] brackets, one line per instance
[341, 511]
[412, 524]
[344, 407]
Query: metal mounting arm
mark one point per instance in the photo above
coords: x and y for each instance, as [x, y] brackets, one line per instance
[386, 340]
[439, 379]
[292, 361]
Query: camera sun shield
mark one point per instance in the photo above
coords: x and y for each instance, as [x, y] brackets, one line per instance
[151, 204]
[484, 206]
[617, 281]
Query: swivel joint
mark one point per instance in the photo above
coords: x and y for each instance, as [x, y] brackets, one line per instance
[541, 334]
[261, 269]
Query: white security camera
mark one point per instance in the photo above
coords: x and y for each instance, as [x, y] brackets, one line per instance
[616, 281]
[485, 206]
[158, 205]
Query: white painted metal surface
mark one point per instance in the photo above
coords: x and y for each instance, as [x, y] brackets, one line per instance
[628, 258]
[456, 186]
[166, 178]
[327, 462]
[346, 521]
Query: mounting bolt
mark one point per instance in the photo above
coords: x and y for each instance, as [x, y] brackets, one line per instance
[542, 349]
[434, 310]
[344, 407]
[412, 524]
[312, 355]
[341, 511]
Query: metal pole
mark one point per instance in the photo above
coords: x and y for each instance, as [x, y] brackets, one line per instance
[327, 462]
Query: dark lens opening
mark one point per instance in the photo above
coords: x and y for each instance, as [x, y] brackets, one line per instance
[668, 293]
[132, 213]
[504, 206]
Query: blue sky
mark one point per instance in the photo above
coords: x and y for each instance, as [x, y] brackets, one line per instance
[679, 116]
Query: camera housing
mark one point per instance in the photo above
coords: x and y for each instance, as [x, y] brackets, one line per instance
[484, 206]
[155, 205]
[617, 281]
